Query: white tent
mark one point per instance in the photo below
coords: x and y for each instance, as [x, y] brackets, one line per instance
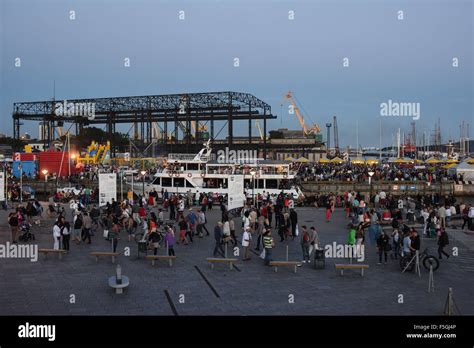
[464, 168]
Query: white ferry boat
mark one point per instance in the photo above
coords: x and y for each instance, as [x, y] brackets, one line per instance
[202, 174]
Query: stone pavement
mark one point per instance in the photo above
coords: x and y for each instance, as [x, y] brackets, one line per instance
[45, 287]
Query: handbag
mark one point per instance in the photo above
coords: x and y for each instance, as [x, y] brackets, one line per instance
[106, 233]
[262, 255]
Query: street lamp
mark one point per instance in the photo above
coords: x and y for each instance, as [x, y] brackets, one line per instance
[45, 173]
[370, 183]
[370, 176]
[143, 172]
[252, 172]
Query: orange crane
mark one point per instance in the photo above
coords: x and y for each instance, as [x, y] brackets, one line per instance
[314, 129]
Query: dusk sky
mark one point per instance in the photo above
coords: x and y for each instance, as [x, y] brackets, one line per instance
[409, 60]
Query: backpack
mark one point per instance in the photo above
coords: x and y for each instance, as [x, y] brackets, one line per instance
[78, 222]
[306, 237]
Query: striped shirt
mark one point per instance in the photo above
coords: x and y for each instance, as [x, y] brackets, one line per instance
[267, 242]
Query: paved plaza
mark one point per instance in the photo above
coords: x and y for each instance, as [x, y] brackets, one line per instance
[45, 287]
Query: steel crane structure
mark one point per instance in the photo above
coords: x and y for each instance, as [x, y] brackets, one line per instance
[313, 129]
[149, 112]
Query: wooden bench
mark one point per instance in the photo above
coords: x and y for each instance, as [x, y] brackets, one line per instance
[213, 260]
[160, 257]
[97, 254]
[342, 267]
[60, 252]
[277, 264]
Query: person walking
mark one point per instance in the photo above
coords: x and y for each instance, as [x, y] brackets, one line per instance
[200, 222]
[13, 222]
[77, 227]
[294, 222]
[305, 242]
[268, 245]
[218, 235]
[169, 238]
[328, 209]
[314, 240]
[57, 234]
[395, 244]
[232, 230]
[113, 234]
[383, 244]
[183, 233]
[66, 234]
[246, 239]
[443, 240]
[86, 228]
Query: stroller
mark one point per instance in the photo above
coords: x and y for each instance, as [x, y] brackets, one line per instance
[26, 234]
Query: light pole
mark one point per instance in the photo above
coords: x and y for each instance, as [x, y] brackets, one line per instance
[21, 183]
[143, 172]
[252, 172]
[121, 186]
[370, 183]
[45, 173]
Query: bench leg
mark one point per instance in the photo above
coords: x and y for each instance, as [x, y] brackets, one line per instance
[230, 263]
[153, 262]
[342, 272]
[170, 262]
[295, 268]
[362, 272]
[212, 265]
[113, 259]
[97, 259]
[45, 256]
[60, 256]
[276, 269]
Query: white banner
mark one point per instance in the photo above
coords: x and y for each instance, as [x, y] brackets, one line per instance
[2, 186]
[107, 188]
[235, 197]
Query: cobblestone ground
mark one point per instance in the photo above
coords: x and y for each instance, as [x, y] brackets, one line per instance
[44, 287]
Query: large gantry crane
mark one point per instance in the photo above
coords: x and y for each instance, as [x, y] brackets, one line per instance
[313, 129]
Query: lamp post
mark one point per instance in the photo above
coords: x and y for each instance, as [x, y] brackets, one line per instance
[45, 173]
[143, 172]
[21, 183]
[252, 172]
[371, 173]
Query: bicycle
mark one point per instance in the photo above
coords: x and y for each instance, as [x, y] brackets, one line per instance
[408, 262]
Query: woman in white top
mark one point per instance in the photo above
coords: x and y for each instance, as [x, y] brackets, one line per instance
[56, 235]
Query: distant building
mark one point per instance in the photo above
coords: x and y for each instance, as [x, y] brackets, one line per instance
[37, 147]
[6, 150]
[25, 136]
[286, 143]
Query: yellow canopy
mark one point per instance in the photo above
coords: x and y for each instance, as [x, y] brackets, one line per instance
[324, 160]
[289, 158]
[302, 160]
[337, 160]
[449, 165]
[451, 160]
[470, 161]
[433, 161]
[402, 160]
[371, 161]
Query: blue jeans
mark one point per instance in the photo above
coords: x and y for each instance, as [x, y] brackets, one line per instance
[268, 256]
[305, 248]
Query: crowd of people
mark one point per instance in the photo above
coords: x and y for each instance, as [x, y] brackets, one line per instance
[162, 220]
[360, 173]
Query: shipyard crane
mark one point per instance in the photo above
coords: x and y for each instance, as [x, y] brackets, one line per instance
[257, 124]
[314, 129]
[336, 136]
